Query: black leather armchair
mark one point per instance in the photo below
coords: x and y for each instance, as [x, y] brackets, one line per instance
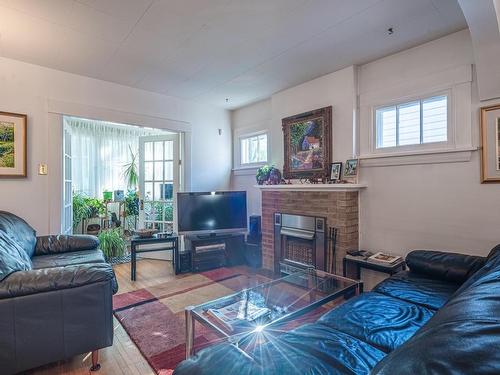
[55, 297]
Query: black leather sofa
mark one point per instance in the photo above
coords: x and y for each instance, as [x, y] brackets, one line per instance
[55, 297]
[440, 317]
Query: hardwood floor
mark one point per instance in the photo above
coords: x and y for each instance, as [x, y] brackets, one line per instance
[123, 357]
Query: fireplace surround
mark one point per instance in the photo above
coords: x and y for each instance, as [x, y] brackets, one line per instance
[337, 203]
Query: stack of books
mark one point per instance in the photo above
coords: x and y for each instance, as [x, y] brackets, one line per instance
[238, 314]
[384, 258]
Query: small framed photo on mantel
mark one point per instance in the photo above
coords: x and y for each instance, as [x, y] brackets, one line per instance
[490, 144]
[351, 171]
[336, 172]
[12, 145]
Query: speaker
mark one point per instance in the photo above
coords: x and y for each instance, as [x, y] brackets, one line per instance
[255, 230]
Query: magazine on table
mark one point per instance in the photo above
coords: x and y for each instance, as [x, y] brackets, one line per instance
[384, 258]
[237, 314]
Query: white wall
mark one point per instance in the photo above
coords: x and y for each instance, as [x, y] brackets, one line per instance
[433, 205]
[437, 206]
[32, 90]
[336, 89]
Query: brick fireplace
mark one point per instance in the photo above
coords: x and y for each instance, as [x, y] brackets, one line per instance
[339, 208]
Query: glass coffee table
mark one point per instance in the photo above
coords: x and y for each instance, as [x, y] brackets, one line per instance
[274, 303]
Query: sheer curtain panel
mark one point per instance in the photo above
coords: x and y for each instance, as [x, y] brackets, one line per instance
[100, 150]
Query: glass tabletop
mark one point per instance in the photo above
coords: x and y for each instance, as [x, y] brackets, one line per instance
[273, 302]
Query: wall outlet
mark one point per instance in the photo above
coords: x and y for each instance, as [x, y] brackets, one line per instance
[42, 169]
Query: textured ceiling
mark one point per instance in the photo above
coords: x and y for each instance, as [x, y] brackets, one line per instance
[210, 50]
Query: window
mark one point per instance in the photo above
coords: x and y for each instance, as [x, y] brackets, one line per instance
[412, 123]
[253, 149]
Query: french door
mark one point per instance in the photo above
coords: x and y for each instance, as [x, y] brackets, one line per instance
[158, 181]
[67, 214]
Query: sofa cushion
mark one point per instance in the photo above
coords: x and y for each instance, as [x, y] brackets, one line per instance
[12, 256]
[311, 349]
[382, 321]
[19, 231]
[68, 259]
[462, 338]
[445, 266]
[417, 288]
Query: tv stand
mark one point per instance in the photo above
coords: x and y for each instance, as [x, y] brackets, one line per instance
[215, 250]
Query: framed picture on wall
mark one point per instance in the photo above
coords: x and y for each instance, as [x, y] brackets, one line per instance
[307, 144]
[490, 144]
[13, 145]
[336, 171]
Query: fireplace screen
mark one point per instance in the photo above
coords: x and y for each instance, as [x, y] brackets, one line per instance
[299, 241]
[299, 250]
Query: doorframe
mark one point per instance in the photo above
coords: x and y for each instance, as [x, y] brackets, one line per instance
[56, 110]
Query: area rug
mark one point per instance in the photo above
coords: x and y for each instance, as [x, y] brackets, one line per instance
[154, 317]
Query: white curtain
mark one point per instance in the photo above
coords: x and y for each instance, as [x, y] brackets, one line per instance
[100, 151]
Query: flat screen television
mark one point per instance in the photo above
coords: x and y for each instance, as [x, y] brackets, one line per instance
[212, 212]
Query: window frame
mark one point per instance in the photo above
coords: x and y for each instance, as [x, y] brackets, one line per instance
[243, 136]
[419, 146]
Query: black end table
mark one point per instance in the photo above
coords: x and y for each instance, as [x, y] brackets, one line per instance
[171, 242]
[362, 262]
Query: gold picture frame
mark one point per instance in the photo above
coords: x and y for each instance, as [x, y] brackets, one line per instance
[13, 145]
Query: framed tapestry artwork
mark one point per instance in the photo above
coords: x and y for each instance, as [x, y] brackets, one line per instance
[308, 144]
[12, 144]
[490, 144]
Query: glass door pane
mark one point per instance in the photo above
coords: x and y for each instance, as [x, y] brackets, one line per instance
[159, 181]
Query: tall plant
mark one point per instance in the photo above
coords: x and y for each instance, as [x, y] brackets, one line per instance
[81, 210]
[130, 172]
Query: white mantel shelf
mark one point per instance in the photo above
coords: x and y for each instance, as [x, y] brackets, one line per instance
[312, 187]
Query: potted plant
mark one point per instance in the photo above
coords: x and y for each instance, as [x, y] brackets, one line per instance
[107, 195]
[96, 207]
[263, 174]
[111, 243]
[81, 210]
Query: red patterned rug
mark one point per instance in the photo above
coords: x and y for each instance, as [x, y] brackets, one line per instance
[154, 317]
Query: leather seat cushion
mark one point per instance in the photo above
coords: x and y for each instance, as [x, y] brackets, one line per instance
[462, 338]
[68, 259]
[381, 321]
[418, 288]
[311, 349]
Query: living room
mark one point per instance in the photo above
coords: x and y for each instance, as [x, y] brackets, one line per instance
[312, 135]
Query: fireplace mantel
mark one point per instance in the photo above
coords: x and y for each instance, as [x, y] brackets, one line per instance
[312, 187]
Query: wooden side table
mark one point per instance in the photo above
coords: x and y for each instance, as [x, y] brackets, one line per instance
[171, 243]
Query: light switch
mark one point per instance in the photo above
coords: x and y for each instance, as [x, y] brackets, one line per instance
[42, 169]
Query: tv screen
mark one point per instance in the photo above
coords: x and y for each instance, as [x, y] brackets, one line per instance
[212, 211]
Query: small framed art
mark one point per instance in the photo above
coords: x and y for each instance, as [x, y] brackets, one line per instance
[351, 170]
[13, 145]
[336, 172]
[490, 144]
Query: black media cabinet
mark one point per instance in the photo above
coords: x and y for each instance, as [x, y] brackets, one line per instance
[208, 251]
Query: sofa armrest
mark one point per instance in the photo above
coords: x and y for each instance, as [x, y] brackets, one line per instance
[63, 243]
[452, 267]
[24, 283]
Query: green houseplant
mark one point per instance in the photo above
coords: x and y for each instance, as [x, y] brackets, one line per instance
[81, 210]
[111, 243]
[263, 174]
